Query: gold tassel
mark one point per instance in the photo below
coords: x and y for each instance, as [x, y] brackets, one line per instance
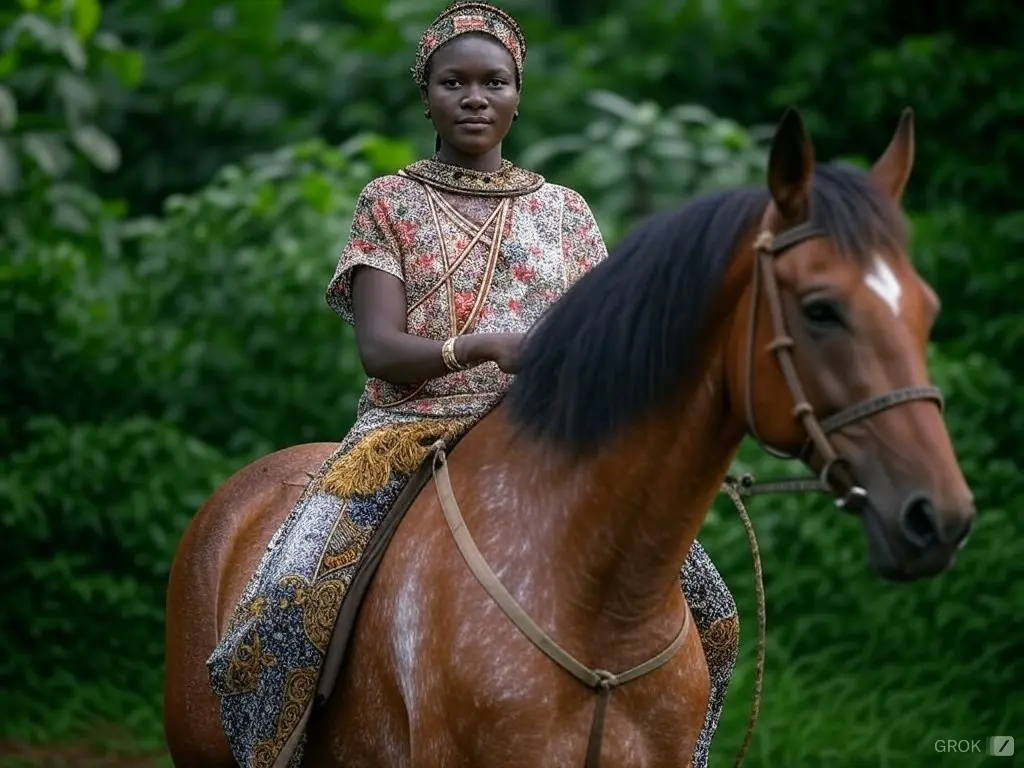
[395, 449]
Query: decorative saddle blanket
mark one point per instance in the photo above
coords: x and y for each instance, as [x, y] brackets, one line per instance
[286, 641]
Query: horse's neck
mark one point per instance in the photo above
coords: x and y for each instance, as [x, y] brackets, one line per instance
[639, 506]
[597, 543]
[627, 517]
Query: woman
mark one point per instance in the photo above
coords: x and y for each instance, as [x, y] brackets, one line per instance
[448, 265]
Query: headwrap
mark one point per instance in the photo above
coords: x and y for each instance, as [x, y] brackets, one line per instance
[462, 17]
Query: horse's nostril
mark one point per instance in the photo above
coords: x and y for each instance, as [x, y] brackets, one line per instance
[918, 522]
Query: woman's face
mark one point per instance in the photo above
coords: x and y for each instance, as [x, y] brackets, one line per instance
[472, 94]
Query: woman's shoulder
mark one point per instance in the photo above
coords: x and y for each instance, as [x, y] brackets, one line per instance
[387, 186]
[564, 195]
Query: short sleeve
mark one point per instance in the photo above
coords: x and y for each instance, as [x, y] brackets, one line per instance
[371, 243]
[583, 246]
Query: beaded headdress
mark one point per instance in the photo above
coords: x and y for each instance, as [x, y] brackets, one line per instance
[462, 17]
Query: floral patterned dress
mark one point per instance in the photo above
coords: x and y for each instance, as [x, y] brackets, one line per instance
[470, 264]
[477, 253]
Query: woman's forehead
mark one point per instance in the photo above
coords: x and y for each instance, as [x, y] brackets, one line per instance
[473, 51]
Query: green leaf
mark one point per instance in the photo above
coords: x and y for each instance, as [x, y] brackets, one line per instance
[86, 15]
[44, 32]
[73, 50]
[10, 172]
[8, 109]
[49, 152]
[78, 94]
[97, 146]
[129, 67]
[693, 113]
[8, 62]
[613, 104]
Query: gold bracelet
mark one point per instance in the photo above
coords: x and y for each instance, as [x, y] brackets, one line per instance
[448, 355]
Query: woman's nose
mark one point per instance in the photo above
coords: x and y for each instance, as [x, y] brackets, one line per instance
[474, 99]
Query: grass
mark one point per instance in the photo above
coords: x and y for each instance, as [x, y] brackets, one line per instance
[85, 726]
[817, 711]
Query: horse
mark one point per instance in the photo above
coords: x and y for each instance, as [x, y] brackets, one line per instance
[790, 312]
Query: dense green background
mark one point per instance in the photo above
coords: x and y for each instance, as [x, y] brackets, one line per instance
[176, 179]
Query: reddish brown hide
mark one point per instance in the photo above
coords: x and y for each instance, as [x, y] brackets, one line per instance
[590, 542]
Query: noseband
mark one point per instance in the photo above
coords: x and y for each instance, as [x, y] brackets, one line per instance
[836, 475]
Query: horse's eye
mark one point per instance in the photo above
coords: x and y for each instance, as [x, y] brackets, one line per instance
[823, 313]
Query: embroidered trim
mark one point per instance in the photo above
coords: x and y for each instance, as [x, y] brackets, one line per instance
[508, 181]
[394, 450]
[496, 221]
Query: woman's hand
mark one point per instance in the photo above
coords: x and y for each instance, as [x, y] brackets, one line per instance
[505, 351]
[500, 348]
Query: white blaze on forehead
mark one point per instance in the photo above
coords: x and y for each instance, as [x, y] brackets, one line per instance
[882, 280]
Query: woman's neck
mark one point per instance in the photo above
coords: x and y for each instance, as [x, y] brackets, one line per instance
[490, 161]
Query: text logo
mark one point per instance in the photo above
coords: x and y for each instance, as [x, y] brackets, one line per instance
[1000, 746]
[954, 746]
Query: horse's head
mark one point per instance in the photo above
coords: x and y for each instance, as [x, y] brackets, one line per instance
[834, 368]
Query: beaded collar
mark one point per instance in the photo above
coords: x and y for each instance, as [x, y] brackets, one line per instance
[507, 181]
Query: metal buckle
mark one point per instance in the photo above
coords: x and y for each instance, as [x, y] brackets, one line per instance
[853, 500]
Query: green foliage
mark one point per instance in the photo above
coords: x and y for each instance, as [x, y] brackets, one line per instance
[635, 159]
[97, 510]
[51, 62]
[176, 181]
[262, 241]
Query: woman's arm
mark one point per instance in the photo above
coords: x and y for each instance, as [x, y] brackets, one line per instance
[583, 245]
[389, 353]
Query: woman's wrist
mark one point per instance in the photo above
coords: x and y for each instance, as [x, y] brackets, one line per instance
[471, 350]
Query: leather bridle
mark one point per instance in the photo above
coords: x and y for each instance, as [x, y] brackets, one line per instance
[836, 475]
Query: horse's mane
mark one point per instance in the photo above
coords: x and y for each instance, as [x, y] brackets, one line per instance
[622, 339]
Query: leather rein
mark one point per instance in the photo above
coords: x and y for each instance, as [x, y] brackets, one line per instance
[835, 477]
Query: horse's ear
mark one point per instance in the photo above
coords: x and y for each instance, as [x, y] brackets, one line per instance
[892, 171]
[790, 164]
